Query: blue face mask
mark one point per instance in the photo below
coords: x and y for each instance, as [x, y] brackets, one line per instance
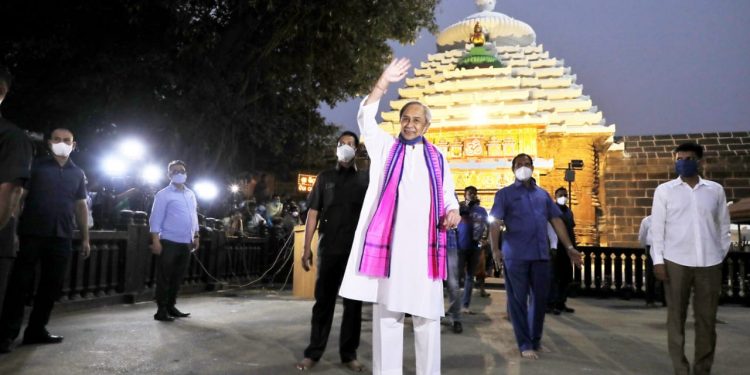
[686, 167]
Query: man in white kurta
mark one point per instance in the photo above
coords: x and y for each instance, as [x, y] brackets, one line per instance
[408, 288]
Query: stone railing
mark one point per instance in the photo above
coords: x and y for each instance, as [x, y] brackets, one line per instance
[121, 268]
[620, 271]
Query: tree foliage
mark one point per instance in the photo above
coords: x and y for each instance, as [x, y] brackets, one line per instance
[224, 84]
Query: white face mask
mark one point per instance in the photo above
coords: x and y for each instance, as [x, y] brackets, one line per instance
[345, 153]
[523, 173]
[62, 149]
[562, 200]
[179, 178]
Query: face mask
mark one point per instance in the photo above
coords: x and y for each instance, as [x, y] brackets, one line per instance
[179, 178]
[686, 167]
[62, 149]
[562, 200]
[345, 153]
[523, 173]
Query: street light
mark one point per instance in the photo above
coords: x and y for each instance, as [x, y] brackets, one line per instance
[570, 176]
[234, 188]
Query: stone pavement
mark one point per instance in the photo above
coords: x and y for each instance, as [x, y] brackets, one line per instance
[265, 332]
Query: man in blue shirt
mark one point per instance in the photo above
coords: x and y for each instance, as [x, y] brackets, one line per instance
[470, 231]
[524, 209]
[56, 194]
[174, 235]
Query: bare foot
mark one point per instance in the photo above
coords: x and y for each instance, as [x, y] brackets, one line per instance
[354, 365]
[529, 354]
[543, 349]
[306, 364]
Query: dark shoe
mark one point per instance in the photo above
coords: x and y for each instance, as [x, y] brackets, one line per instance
[556, 311]
[162, 316]
[457, 327]
[5, 345]
[176, 313]
[567, 309]
[41, 338]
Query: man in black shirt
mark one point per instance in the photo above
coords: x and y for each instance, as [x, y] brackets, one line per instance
[15, 159]
[562, 269]
[335, 202]
[56, 194]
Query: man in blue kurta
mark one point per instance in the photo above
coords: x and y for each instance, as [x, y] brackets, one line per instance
[524, 209]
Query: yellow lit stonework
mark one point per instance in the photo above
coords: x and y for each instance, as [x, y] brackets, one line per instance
[483, 117]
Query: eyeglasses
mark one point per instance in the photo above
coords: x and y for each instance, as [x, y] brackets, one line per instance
[413, 120]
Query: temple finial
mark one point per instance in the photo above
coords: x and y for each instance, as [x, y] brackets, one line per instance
[485, 5]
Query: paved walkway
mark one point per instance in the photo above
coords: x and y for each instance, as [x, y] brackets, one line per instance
[261, 332]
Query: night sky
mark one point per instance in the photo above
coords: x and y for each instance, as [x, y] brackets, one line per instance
[652, 67]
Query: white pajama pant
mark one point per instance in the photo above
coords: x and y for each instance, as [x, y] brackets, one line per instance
[388, 343]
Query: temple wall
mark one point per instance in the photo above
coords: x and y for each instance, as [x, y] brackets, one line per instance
[630, 176]
[585, 192]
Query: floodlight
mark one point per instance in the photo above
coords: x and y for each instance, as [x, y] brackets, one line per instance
[206, 190]
[152, 174]
[114, 166]
[132, 149]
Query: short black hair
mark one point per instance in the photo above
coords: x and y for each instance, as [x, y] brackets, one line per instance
[176, 162]
[61, 129]
[561, 189]
[522, 155]
[470, 188]
[690, 146]
[345, 133]
[5, 77]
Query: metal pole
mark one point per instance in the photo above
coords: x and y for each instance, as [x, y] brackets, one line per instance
[570, 185]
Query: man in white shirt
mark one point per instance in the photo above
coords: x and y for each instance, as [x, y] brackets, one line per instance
[689, 239]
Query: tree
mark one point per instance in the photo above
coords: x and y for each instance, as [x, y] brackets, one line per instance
[226, 85]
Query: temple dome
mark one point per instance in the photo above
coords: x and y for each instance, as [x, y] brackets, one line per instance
[500, 28]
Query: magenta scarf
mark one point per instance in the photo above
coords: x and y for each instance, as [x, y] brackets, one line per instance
[376, 256]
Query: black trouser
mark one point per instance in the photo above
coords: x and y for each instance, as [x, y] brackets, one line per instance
[52, 254]
[6, 266]
[562, 276]
[330, 273]
[171, 265]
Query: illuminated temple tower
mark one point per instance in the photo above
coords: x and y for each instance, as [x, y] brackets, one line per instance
[484, 113]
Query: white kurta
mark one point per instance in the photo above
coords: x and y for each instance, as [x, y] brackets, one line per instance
[409, 289]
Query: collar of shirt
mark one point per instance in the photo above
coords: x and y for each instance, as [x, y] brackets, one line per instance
[519, 184]
[51, 160]
[172, 187]
[352, 168]
[678, 181]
